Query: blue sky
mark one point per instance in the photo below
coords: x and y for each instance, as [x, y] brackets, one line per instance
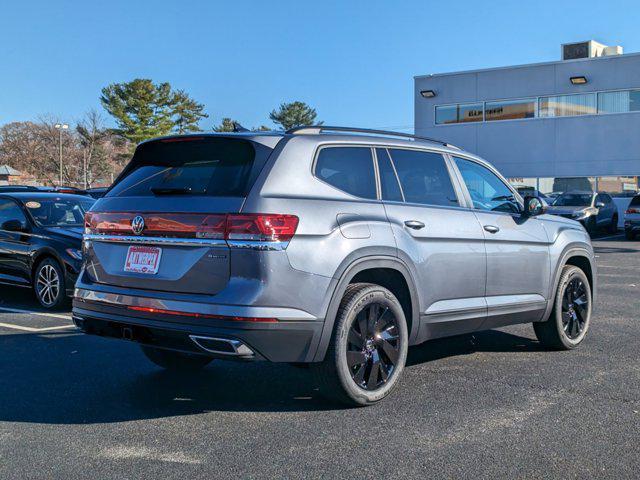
[354, 61]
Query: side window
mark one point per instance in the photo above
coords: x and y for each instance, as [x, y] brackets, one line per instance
[388, 179]
[424, 177]
[9, 210]
[487, 191]
[349, 169]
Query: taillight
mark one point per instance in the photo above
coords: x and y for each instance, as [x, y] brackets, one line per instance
[261, 228]
[632, 210]
[251, 227]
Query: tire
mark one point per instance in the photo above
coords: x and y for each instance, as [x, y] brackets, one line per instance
[49, 284]
[175, 361]
[380, 351]
[629, 235]
[613, 227]
[570, 318]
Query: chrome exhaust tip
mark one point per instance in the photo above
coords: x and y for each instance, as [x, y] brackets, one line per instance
[222, 346]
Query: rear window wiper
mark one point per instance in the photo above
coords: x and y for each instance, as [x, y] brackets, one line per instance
[171, 190]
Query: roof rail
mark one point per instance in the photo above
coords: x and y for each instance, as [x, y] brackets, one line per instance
[316, 129]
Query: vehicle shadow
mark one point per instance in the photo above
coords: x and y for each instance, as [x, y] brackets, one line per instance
[70, 378]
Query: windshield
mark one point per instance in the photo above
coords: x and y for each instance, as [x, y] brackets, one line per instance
[573, 200]
[59, 211]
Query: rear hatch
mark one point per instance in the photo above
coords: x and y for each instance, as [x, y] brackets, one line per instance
[162, 224]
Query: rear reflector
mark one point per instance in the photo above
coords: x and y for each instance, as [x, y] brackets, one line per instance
[248, 227]
[632, 210]
[162, 311]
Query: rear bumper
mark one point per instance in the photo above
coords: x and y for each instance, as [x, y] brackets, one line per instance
[281, 341]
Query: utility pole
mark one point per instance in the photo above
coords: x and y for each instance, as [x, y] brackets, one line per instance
[60, 127]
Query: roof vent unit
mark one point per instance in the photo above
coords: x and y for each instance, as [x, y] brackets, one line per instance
[590, 49]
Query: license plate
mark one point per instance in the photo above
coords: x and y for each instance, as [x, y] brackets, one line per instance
[143, 259]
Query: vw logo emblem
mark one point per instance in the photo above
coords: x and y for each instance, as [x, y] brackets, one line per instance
[137, 224]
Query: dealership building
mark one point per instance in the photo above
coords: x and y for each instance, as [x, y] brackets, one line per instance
[555, 126]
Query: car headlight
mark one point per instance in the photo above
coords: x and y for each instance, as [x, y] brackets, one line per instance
[582, 214]
[74, 253]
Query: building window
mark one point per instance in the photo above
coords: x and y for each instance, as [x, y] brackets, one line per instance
[568, 105]
[462, 113]
[619, 102]
[510, 109]
[446, 114]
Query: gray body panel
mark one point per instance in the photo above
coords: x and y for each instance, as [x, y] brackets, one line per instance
[460, 277]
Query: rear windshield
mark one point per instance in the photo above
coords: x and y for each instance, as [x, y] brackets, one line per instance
[222, 167]
[635, 201]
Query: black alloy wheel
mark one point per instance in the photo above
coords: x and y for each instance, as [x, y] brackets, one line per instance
[575, 307]
[373, 347]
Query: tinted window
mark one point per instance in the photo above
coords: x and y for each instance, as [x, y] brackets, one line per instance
[424, 177]
[510, 109]
[487, 191]
[9, 210]
[388, 179]
[349, 169]
[635, 201]
[204, 166]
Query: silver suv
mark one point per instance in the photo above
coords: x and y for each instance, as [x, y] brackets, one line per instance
[328, 246]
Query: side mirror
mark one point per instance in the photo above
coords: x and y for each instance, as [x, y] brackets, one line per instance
[14, 226]
[534, 206]
[600, 204]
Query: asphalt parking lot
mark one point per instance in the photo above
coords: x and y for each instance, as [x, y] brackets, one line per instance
[490, 405]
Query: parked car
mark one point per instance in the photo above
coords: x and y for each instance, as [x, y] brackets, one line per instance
[632, 218]
[329, 246]
[41, 242]
[592, 209]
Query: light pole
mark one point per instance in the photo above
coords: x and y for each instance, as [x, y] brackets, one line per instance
[60, 127]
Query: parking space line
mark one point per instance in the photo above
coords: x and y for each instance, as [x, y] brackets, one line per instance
[34, 330]
[31, 312]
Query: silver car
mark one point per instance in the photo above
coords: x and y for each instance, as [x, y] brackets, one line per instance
[593, 209]
[328, 246]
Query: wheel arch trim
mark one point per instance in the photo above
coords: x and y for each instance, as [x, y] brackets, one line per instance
[348, 273]
[569, 252]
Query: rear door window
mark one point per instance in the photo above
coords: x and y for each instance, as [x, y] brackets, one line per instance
[223, 167]
[424, 177]
[349, 169]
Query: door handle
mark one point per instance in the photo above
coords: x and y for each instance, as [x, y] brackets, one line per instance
[491, 228]
[415, 224]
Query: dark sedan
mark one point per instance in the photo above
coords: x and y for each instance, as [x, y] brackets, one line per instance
[41, 242]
